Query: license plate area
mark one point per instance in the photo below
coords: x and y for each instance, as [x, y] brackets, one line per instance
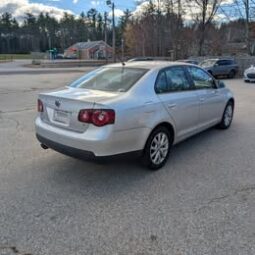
[61, 117]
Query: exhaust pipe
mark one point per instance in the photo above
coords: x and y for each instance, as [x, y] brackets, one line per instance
[45, 147]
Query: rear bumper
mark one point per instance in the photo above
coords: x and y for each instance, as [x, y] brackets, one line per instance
[95, 142]
[67, 150]
[82, 154]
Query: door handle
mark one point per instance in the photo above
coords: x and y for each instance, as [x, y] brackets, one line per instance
[171, 106]
[148, 102]
[202, 99]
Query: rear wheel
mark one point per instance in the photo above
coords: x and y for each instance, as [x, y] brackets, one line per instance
[227, 116]
[231, 74]
[157, 148]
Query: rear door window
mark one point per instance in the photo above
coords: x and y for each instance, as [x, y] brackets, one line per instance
[225, 62]
[172, 79]
[177, 79]
[201, 79]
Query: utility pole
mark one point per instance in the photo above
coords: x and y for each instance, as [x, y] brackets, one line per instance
[122, 50]
[247, 20]
[179, 9]
[113, 33]
[158, 29]
[49, 44]
[177, 48]
[112, 5]
[105, 36]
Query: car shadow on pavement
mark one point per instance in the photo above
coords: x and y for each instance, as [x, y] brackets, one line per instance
[119, 175]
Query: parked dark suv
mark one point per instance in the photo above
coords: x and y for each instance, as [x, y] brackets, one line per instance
[218, 67]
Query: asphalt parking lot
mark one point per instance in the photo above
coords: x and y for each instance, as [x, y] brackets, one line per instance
[200, 203]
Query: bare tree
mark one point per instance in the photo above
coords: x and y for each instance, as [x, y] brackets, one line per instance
[207, 11]
[244, 9]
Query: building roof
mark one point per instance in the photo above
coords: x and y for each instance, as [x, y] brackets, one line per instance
[87, 45]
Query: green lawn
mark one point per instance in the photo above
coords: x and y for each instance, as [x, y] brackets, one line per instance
[15, 56]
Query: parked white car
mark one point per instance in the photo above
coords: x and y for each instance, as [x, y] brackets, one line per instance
[141, 107]
[249, 74]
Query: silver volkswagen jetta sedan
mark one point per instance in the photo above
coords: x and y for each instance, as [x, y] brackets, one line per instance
[135, 107]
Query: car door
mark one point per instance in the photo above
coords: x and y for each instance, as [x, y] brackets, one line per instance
[229, 66]
[175, 91]
[223, 67]
[210, 97]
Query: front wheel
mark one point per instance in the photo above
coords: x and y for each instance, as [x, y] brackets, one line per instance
[227, 116]
[157, 148]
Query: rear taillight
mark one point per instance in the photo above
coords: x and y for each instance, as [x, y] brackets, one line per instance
[98, 117]
[39, 105]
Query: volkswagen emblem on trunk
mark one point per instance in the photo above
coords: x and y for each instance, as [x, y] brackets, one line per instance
[57, 103]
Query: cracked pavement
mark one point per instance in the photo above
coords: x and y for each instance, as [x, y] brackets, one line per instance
[200, 203]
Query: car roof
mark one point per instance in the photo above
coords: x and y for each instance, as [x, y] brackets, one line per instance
[141, 59]
[211, 59]
[150, 64]
[216, 59]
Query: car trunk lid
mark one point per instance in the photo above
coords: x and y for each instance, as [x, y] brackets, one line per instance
[62, 108]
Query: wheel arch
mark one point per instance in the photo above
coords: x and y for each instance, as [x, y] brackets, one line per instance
[169, 126]
[231, 100]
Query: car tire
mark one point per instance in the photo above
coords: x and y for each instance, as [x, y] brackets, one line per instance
[227, 116]
[157, 148]
[232, 74]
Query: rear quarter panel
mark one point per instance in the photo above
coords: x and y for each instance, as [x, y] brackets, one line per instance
[228, 94]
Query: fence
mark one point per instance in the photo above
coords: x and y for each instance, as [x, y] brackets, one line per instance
[244, 63]
[6, 58]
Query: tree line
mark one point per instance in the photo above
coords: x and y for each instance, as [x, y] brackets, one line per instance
[160, 30]
[44, 32]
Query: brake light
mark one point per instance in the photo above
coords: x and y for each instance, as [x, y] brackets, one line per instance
[97, 117]
[39, 105]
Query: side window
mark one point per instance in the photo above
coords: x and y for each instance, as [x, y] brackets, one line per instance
[201, 79]
[221, 63]
[177, 79]
[224, 62]
[229, 62]
[161, 83]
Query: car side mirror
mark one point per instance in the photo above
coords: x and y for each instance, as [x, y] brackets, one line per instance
[220, 84]
[213, 83]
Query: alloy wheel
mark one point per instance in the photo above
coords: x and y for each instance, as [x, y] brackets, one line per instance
[228, 115]
[159, 148]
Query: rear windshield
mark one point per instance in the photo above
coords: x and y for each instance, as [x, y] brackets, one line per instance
[115, 79]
